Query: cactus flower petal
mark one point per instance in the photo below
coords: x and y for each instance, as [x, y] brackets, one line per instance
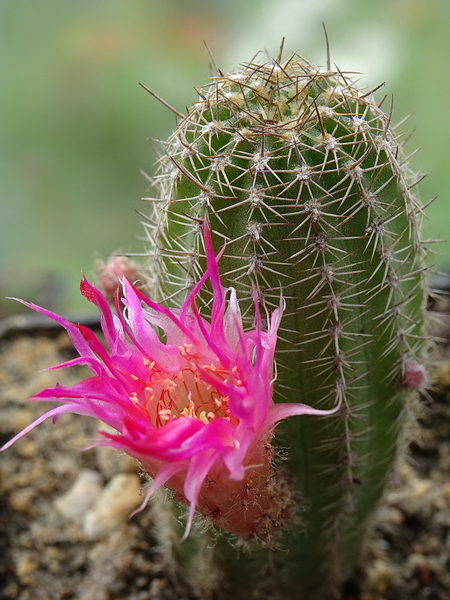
[193, 405]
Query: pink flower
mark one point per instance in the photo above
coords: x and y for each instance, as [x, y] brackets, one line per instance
[194, 405]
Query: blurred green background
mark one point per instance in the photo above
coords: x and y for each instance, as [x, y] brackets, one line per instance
[74, 122]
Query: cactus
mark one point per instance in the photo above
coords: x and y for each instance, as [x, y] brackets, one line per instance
[303, 179]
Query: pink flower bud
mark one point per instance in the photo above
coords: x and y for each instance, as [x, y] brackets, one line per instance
[113, 271]
[413, 375]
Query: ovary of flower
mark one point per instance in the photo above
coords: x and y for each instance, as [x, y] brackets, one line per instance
[196, 410]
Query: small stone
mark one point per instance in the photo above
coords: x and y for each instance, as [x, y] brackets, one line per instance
[379, 575]
[415, 563]
[26, 448]
[157, 586]
[391, 515]
[26, 566]
[432, 544]
[421, 496]
[81, 496]
[388, 519]
[22, 499]
[21, 419]
[119, 498]
[417, 547]
[446, 492]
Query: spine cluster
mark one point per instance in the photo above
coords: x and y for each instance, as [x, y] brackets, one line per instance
[303, 178]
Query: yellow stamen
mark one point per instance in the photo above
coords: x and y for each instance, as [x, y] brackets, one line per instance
[202, 417]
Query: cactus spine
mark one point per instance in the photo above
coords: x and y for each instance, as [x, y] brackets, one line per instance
[303, 178]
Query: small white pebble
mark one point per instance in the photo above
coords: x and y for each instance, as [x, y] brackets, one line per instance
[81, 496]
[113, 507]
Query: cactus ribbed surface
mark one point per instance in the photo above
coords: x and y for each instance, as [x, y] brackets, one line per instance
[303, 178]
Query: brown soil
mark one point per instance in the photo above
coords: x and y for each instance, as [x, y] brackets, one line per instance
[46, 552]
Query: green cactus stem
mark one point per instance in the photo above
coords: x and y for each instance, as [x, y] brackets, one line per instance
[304, 180]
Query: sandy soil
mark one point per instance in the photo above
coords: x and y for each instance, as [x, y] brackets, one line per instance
[64, 526]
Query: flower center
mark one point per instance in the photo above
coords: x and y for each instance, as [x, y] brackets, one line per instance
[188, 392]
